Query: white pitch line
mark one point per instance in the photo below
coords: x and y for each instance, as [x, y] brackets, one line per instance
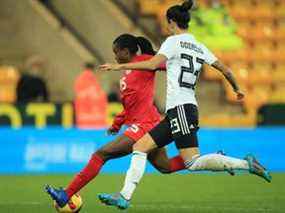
[21, 203]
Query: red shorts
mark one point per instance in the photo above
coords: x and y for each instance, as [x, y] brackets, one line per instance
[136, 131]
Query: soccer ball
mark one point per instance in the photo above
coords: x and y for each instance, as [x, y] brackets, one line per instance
[74, 205]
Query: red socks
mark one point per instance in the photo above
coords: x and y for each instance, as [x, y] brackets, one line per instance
[176, 164]
[85, 176]
[94, 166]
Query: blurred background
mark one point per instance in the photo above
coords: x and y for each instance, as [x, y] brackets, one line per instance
[54, 106]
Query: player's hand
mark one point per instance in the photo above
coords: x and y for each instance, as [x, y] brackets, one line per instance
[109, 67]
[240, 95]
[112, 131]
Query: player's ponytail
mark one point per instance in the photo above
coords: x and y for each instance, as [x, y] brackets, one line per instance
[187, 5]
[133, 44]
[145, 46]
[180, 14]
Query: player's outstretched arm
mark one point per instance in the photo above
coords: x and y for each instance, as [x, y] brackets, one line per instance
[226, 71]
[151, 64]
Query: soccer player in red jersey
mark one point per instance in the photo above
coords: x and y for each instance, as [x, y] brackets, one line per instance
[139, 114]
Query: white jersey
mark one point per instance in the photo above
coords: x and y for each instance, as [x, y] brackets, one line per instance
[185, 59]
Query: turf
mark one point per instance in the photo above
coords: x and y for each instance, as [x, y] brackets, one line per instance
[203, 193]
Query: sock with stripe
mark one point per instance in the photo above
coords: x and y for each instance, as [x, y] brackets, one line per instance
[90, 171]
[134, 174]
[216, 162]
[177, 164]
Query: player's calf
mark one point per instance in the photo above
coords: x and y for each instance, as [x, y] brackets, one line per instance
[105, 155]
[120, 147]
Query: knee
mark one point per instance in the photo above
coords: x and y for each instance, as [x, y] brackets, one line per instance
[145, 144]
[141, 147]
[137, 147]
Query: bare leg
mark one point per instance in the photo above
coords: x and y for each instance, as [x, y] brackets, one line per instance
[120, 147]
[189, 153]
[159, 159]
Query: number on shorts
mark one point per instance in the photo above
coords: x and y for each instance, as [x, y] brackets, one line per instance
[174, 125]
[134, 128]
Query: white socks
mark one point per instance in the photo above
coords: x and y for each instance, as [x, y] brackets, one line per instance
[134, 174]
[216, 162]
[211, 162]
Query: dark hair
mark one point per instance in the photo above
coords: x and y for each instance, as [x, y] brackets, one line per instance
[89, 65]
[180, 14]
[133, 44]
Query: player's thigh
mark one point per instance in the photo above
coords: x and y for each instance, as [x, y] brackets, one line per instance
[120, 147]
[185, 119]
[188, 145]
[145, 144]
[161, 134]
[138, 132]
[159, 159]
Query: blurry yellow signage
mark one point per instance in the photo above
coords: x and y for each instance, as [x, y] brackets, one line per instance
[40, 115]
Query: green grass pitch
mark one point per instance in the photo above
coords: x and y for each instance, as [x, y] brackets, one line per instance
[194, 193]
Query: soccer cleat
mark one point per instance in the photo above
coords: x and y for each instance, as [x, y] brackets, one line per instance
[114, 200]
[58, 195]
[256, 168]
[228, 170]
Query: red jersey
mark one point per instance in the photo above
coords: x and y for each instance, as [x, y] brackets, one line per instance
[137, 95]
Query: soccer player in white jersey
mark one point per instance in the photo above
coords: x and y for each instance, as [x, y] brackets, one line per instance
[184, 57]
